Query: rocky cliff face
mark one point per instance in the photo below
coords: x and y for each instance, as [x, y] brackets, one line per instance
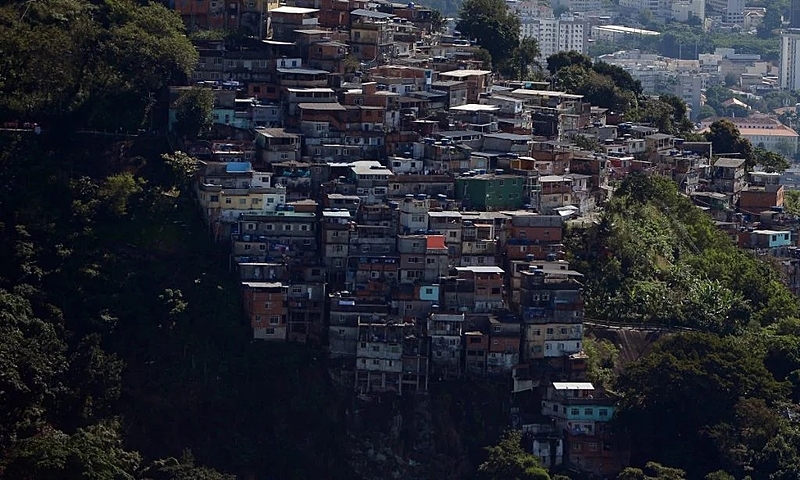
[439, 435]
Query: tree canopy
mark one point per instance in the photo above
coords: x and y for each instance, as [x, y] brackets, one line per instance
[91, 64]
[193, 111]
[494, 26]
[731, 428]
[508, 460]
[601, 84]
[655, 257]
[725, 138]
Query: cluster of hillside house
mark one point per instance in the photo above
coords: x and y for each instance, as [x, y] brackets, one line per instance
[407, 210]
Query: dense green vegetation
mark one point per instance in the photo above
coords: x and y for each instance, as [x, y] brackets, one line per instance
[122, 340]
[715, 402]
[115, 305]
[496, 28]
[509, 461]
[100, 64]
[655, 257]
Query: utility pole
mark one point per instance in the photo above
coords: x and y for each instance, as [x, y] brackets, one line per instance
[261, 20]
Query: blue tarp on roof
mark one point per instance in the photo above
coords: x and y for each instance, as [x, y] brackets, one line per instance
[238, 167]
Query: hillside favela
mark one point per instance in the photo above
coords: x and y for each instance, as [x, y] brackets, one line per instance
[364, 240]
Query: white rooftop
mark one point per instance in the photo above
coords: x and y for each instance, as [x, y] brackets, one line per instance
[573, 386]
[544, 93]
[339, 214]
[445, 214]
[310, 90]
[370, 167]
[298, 10]
[464, 73]
[481, 269]
[475, 107]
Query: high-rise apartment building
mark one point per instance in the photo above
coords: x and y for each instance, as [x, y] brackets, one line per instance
[794, 17]
[732, 11]
[556, 34]
[578, 5]
[790, 59]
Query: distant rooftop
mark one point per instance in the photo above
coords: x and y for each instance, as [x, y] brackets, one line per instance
[625, 30]
[295, 10]
[573, 386]
[303, 71]
[464, 73]
[481, 269]
[545, 93]
[475, 107]
[330, 106]
[360, 12]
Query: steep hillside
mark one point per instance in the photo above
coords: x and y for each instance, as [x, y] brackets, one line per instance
[632, 343]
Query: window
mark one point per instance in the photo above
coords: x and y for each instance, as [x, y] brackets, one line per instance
[588, 411]
[242, 201]
[603, 412]
[247, 247]
[575, 411]
[228, 200]
[376, 348]
[267, 305]
[453, 234]
[215, 198]
[270, 227]
[254, 201]
[274, 319]
[251, 226]
[262, 247]
[563, 331]
[549, 331]
[428, 291]
[269, 331]
[592, 446]
[304, 228]
[287, 227]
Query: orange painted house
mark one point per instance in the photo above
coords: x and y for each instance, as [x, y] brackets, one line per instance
[265, 305]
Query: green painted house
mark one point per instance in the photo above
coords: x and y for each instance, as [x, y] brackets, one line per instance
[491, 191]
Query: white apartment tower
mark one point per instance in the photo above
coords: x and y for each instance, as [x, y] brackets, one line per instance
[592, 6]
[790, 59]
[556, 34]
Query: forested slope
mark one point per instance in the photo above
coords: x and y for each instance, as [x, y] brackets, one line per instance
[716, 400]
[122, 340]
